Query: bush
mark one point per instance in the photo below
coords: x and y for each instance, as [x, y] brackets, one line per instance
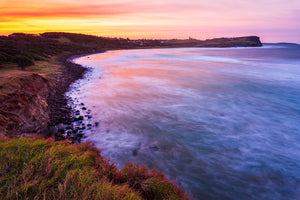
[3, 59]
[22, 61]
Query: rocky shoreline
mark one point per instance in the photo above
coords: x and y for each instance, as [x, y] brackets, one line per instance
[36, 104]
[65, 123]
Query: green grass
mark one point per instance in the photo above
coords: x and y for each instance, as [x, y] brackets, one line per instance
[36, 69]
[12, 76]
[63, 40]
[44, 169]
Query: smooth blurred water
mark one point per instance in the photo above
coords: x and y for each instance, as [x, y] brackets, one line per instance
[224, 123]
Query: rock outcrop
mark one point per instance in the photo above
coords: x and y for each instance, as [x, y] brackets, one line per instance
[24, 110]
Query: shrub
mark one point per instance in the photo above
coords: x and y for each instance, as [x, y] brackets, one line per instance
[22, 61]
[3, 59]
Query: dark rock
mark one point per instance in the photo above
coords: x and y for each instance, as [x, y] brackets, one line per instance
[60, 112]
[71, 137]
[78, 118]
[134, 152]
[10, 126]
[89, 125]
[80, 135]
[58, 102]
[154, 147]
[75, 130]
[58, 136]
[96, 124]
[48, 131]
[61, 131]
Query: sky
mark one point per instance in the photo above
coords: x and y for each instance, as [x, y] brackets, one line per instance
[271, 20]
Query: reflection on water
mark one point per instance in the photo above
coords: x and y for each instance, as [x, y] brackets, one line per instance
[222, 123]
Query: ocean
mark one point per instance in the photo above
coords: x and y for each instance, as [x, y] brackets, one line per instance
[224, 123]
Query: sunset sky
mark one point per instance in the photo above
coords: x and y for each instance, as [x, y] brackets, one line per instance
[272, 20]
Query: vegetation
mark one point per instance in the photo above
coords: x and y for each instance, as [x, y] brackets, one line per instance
[44, 169]
[2, 58]
[249, 41]
[22, 61]
[43, 46]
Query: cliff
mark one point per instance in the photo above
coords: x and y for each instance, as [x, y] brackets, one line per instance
[24, 107]
[35, 103]
[248, 41]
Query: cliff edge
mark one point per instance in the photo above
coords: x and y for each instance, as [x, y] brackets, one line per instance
[24, 107]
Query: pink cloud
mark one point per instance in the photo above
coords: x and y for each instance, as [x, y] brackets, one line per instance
[70, 11]
[163, 17]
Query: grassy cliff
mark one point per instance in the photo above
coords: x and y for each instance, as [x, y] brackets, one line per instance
[44, 169]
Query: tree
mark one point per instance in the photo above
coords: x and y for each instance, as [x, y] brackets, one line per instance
[22, 61]
[3, 59]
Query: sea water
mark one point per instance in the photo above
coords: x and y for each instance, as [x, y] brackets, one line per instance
[224, 123]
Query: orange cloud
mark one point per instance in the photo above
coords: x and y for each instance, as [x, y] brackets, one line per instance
[70, 11]
[151, 19]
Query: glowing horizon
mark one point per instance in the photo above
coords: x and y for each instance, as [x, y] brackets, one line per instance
[272, 20]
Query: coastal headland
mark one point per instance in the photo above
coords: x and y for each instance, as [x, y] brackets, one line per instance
[36, 72]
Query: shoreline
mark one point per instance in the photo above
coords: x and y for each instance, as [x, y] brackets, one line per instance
[46, 111]
[65, 123]
[61, 115]
[148, 183]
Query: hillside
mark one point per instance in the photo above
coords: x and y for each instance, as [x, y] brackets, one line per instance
[43, 46]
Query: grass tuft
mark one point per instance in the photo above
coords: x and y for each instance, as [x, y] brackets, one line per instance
[32, 168]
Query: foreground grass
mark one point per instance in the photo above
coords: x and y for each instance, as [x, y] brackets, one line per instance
[44, 169]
